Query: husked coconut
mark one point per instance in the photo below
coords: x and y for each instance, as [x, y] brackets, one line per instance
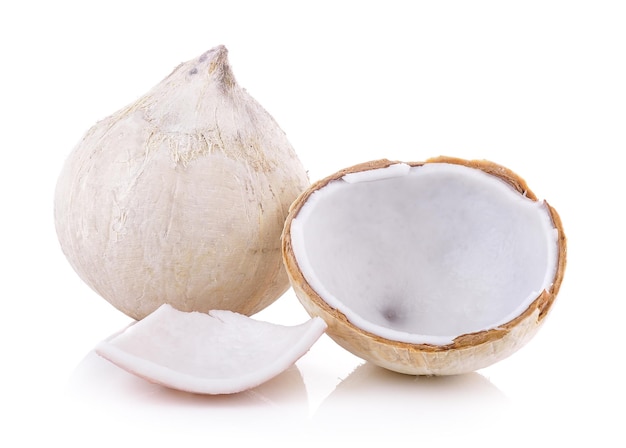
[221, 352]
[441, 267]
[181, 197]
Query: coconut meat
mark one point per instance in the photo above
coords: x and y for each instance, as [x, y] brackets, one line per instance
[424, 254]
[220, 352]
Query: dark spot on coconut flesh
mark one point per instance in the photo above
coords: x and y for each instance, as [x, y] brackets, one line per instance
[390, 314]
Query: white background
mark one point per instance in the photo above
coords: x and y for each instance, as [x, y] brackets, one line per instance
[538, 86]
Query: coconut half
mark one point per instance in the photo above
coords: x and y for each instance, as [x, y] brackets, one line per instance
[438, 267]
[221, 352]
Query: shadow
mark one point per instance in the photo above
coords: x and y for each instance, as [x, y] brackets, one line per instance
[114, 395]
[373, 400]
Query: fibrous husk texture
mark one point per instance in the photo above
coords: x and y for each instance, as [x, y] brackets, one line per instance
[181, 196]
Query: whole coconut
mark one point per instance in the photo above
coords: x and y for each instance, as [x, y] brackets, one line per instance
[181, 197]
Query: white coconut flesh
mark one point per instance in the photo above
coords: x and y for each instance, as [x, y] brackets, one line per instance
[220, 352]
[424, 254]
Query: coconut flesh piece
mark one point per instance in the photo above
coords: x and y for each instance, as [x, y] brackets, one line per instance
[411, 262]
[221, 352]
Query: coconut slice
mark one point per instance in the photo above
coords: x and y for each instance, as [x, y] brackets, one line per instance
[441, 267]
[221, 352]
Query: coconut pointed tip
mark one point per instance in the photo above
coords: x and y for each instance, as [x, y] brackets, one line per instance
[219, 52]
[216, 60]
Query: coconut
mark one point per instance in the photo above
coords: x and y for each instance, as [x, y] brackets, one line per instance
[431, 268]
[220, 352]
[181, 197]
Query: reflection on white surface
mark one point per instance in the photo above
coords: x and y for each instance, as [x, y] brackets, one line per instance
[366, 402]
[373, 399]
[121, 397]
[97, 378]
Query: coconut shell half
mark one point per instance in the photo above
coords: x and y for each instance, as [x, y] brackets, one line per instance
[460, 332]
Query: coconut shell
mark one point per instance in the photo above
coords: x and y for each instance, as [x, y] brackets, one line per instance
[468, 352]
